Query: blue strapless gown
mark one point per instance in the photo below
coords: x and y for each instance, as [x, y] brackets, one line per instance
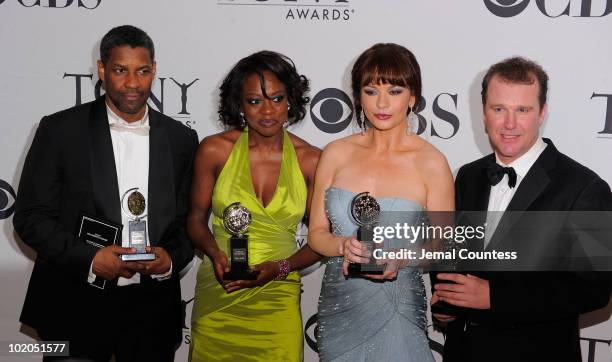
[365, 320]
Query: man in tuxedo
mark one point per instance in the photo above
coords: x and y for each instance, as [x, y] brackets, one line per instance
[90, 159]
[521, 315]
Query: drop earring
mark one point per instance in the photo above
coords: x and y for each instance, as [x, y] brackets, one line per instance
[243, 122]
[363, 123]
[412, 123]
[286, 123]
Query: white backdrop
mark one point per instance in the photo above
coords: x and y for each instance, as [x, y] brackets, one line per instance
[49, 48]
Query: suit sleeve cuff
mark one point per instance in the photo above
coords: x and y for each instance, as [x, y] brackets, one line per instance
[91, 277]
[163, 276]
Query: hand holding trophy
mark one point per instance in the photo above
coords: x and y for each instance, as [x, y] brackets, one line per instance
[133, 204]
[365, 211]
[236, 220]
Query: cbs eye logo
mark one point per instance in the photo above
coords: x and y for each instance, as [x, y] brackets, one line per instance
[581, 8]
[331, 110]
[310, 333]
[7, 200]
[506, 8]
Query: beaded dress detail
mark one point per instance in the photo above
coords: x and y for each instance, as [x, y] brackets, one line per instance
[365, 320]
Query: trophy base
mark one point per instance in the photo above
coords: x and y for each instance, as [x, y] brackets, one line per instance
[356, 269]
[442, 307]
[240, 275]
[138, 257]
[365, 234]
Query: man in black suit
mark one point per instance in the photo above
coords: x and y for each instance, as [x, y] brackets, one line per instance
[522, 315]
[87, 159]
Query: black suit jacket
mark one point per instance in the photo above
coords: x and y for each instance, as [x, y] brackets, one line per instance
[70, 168]
[533, 315]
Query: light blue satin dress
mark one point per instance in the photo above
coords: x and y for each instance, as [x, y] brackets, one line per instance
[365, 320]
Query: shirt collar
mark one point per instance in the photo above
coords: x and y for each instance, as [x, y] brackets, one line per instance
[522, 164]
[113, 118]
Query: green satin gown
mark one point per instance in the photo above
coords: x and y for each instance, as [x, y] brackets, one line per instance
[261, 323]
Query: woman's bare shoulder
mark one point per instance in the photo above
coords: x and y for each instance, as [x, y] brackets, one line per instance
[429, 159]
[216, 148]
[220, 141]
[308, 155]
[304, 149]
[344, 144]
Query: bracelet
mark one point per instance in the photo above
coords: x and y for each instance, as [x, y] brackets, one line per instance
[283, 269]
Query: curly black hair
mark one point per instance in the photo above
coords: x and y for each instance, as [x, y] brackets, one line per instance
[385, 63]
[125, 35]
[278, 64]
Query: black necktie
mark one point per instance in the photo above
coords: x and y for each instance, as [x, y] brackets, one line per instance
[496, 172]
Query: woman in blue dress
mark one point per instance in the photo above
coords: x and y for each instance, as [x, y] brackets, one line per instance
[376, 317]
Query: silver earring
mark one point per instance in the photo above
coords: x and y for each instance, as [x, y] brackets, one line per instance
[412, 123]
[363, 123]
[286, 124]
[243, 122]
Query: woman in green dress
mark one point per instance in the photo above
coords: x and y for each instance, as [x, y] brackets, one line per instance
[269, 171]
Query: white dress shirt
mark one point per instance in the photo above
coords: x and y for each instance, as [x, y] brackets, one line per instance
[131, 152]
[501, 194]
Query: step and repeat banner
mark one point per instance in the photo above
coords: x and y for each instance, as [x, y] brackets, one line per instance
[49, 50]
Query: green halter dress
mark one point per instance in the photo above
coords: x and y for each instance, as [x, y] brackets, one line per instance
[261, 323]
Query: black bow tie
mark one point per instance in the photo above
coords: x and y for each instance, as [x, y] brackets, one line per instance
[496, 172]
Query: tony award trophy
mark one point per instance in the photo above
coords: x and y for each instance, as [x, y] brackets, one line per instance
[236, 220]
[133, 205]
[365, 210]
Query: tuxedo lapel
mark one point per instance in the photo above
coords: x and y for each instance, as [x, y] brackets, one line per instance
[473, 196]
[103, 171]
[534, 183]
[472, 186]
[530, 188]
[161, 180]
[481, 189]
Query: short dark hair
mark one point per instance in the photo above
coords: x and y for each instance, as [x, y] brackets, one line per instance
[517, 70]
[125, 35]
[385, 63]
[282, 67]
